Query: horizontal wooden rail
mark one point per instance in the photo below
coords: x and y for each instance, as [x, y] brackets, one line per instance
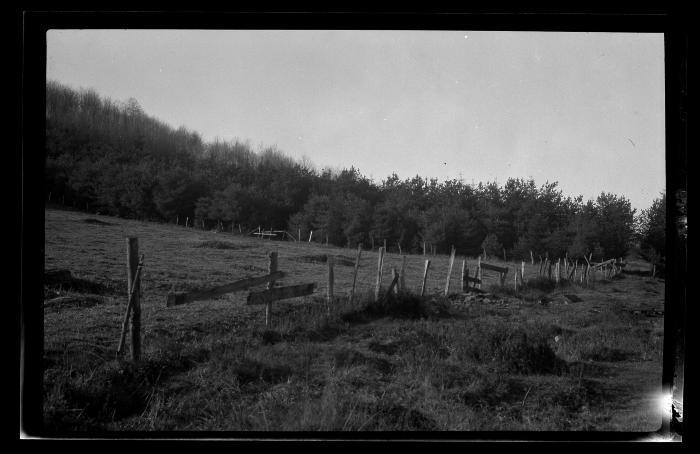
[280, 293]
[178, 298]
[498, 269]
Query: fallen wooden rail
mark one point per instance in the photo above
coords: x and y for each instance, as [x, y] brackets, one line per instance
[178, 298]
[280, 293]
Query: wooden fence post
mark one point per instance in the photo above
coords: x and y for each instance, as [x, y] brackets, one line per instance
[132, 260]
[504, 255]
[330, 283]
[399, 245]
[522, 272]
[532, 258]
[380, 264]
[310, 235]
[478, 273]
[423, 248]
[354, 274]
[402, 273]
[425, 277]
[187, 221]
[271, 268]
[465, 276]
[394, 276]
[129, 306]
[449, 270]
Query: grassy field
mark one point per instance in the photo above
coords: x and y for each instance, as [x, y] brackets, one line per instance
[545, 358]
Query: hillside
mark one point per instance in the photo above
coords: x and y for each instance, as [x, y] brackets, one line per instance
[546, 358]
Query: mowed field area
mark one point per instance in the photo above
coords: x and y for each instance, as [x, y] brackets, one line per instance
[546, 357]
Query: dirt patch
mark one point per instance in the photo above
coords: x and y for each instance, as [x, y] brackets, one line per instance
[57, 281]
[96, 222]
[348, 357]
[338, 260]
[215, 244]
[64, 302]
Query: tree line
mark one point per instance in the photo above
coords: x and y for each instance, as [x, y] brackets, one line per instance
[113, 158]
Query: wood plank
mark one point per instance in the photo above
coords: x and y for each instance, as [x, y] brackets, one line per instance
[280, 293]
[178, 298]
[498, 269]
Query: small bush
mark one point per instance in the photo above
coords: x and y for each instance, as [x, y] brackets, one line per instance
[516, 348]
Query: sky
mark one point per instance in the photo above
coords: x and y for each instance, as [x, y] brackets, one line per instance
[583, 109]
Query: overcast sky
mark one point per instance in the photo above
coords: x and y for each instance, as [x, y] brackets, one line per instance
[583, 109]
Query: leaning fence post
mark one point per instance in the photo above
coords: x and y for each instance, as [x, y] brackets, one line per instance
[271, 268]
[330, 283]
[449, 271]
[354, 274]
[132, 260]
[402, 279]
[425, 277]
[380, 263]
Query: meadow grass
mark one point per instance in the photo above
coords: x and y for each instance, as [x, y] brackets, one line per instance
[401, 363]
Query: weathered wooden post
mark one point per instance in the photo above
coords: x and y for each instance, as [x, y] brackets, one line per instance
[271, 268]
[380, 264]
[394, 277]
[423, 248]
[298, 235]
[504, 255]
[478, 273]
[330, 283]
[354, 274]
[311, 233]
[522, 272]
[532, 258]
[425, 277]
[132, 260]
[465, 276]
[187, 221]
[129, 306]
[402, 279]
[399, 245]
[449, 270]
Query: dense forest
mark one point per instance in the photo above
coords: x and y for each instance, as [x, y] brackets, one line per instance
[112, 158]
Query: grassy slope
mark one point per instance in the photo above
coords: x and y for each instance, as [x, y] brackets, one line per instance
[434, 364]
